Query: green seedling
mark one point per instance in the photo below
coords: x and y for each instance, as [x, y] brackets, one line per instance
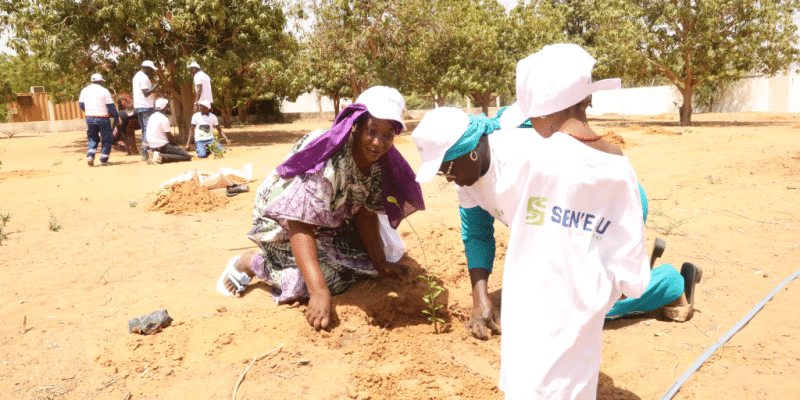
[713, 179]
[84, 198]
[132, 203]
[54, 225]
[5, 217]
[434, 289]
[3, 235]
[215, 148]
[56, 163]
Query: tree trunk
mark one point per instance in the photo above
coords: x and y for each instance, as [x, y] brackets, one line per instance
[183, 107]
[226, 115]
[686, 107]
[483, 99]
[337, 102]
[438, 99]
[244, 111]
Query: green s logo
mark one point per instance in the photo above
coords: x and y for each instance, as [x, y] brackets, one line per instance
[536, 209]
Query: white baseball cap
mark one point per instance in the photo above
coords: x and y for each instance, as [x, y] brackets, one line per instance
[384, 102]
[439, 130]
[149, 63]
[551, 80]
[161, 103]
[97, 78]
[194, 65]
[204, 103]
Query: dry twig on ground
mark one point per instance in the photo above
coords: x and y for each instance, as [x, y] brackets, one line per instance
[241, 378]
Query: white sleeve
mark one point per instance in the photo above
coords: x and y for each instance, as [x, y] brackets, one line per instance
[82, 97]
[214, 120]
[194, 118]
[165, 125]
[197, 80]
[107, 97]
[623, 250]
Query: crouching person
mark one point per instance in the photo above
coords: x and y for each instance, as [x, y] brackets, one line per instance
[203, 123]
[159, 136]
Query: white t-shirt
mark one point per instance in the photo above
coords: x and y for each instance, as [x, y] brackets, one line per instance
[204, 124]
[94, 98]
[141, 81]
[201, 78]
[157, 126]
[576, 246]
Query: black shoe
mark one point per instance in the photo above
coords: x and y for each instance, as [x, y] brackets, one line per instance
[658, 251]
[236, 189]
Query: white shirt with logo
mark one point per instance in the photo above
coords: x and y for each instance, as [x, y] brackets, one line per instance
[140, 82]
[94, 98]
[576, 246]
[204, 125]
[157, 128]
[202, 79]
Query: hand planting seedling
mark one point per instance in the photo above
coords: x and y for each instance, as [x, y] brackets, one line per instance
[434, 289]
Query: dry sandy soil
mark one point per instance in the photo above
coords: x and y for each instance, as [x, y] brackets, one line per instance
[723, 194]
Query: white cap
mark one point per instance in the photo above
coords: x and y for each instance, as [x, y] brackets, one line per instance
[384, 103]
[97, 78]
[161, 103]
[149, 63]
[553, 79]
[439, 130]
[204, 103]
[194, 65]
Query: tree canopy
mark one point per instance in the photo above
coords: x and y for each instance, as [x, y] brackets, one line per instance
[691, 43]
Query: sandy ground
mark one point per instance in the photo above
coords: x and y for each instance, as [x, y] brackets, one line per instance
[724, 194]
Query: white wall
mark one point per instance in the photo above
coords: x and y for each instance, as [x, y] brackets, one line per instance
[777, 94]
[308, 102]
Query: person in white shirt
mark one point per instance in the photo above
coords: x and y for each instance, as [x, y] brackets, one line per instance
[97, 104]
[203, 123]
[143, 91]
[577, 234]
[202, 84]
[164, 146]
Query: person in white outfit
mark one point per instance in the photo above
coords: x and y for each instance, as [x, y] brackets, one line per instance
[202, 84]
[96, 102]
[143, 101]
[577, 235]
[164, 146]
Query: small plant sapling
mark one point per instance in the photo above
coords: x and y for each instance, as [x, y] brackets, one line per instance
[54, 225]
[434, 289]
[133, 203]
[5, 217]
[215, 148]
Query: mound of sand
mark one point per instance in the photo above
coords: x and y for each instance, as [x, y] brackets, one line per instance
[657, 130]
[187, 197]
[635, 127]
[615, 139]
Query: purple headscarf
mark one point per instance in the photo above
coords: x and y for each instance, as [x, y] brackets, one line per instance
[397, 177]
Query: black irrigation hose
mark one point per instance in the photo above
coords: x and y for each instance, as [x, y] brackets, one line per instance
[677, 385]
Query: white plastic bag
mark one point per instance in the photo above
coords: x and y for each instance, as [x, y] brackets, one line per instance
[393, 244]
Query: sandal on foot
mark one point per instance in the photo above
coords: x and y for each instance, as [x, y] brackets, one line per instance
[658, 251]
[231, 191]
[691, 275]
[239, 279]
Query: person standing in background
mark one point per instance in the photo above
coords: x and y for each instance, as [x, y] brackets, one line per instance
[143, 100]
[96, 102]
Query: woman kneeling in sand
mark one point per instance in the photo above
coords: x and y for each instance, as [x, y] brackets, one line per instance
[315, 217]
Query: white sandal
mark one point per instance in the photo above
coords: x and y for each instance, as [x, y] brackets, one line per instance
[239, 279]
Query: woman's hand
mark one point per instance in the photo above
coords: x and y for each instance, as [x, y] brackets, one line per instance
[485, 318]
[395, 271]
[318, 313]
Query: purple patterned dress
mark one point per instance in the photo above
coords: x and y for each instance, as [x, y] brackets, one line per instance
[328, 199]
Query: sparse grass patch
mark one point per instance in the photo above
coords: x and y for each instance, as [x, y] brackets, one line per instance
[672, 224]
[132, 203]
[54, 225]
[56, 163]
[713, 179]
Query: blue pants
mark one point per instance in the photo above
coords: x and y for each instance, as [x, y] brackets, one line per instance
[99, 131]
[144, 115]
[201, 147]
[666, 285]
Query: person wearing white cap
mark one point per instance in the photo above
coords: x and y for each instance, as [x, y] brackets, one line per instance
[202, 84]
[316, 219]
[143, 91]
[164, 147]
[203, 123]
[98, 105]
[576, 231]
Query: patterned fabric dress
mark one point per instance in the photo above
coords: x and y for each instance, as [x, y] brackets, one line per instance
[328, 199]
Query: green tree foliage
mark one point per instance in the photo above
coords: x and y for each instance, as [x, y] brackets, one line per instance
[113, 37]
[694, 42]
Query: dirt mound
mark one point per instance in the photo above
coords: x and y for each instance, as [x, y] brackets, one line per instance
[235, 178]
[796, 127]
[615, 139]
[187, 197]
[657, 130]
[635, 127]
